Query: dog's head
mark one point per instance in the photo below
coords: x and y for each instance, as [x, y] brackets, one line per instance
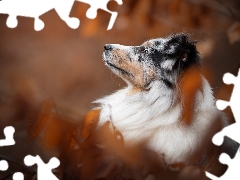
[161, 59]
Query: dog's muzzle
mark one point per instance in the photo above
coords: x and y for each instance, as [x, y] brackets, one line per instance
[107, 52]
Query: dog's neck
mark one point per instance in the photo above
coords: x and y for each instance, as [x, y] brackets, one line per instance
[131, 109]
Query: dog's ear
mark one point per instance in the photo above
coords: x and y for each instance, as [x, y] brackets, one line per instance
[181, 48]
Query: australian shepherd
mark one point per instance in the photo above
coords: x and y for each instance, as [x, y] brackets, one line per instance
[167, 102]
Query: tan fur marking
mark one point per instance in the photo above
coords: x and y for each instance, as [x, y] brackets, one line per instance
[136, 70]
[140, 76]
[134, 90]
[119, 54]
[149, 44]
[122, 61]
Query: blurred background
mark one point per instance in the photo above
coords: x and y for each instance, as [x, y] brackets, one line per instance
[65, 66]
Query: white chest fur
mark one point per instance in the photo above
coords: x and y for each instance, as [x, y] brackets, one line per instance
[155, 116]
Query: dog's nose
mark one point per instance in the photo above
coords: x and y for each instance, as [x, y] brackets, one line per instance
[108, 47]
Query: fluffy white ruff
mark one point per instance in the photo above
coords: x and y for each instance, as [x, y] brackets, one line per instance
[155, 116]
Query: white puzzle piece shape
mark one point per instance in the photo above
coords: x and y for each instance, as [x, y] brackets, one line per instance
[36, 8]
[3, 165]
[8, 132]
[44, 170]
[232, 131]
[18, 176]
[100, 4]
[233, 172]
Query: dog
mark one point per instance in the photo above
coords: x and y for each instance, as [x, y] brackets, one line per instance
[167, 103]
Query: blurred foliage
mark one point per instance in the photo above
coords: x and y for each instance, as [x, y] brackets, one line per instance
[154, 17]
[65, 66]
[87, 152]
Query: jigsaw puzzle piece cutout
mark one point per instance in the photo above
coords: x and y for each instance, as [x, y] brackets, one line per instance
[233, 169]
[36, 8]
[63, 9]
[3, 165]
[8, 132]
[228, 78]
[25, 8]
[232, 130]
[18, 176]
[101, 4]
[228, 147]
[44, 170]
[221, 104]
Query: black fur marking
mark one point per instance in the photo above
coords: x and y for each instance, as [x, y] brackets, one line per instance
[168, 83]
[157, 43]
[157, 57]
[178, 49]
[140, 59]
[184, 50]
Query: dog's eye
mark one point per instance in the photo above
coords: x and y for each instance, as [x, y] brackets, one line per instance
[145, 50]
